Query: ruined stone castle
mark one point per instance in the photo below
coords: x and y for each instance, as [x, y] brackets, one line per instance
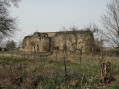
[50, 41]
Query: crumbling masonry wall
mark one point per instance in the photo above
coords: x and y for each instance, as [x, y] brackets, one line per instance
[45, 42]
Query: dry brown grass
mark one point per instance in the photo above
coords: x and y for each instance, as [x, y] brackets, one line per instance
[48, 73]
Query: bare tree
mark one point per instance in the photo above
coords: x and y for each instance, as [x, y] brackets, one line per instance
[74, 43]
[7, 23]
[79, 40]
[65, 49]
[82, 39]
[85, 43]
[110, 22]
[98, 38]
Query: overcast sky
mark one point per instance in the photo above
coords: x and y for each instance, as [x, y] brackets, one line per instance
[52, 15]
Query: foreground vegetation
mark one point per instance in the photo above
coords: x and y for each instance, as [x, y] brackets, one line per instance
[49, 73]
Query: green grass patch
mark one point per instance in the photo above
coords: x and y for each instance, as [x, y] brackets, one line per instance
[9, 60]
[115, 86]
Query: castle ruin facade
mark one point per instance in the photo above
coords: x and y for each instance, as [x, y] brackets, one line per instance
[49, 41]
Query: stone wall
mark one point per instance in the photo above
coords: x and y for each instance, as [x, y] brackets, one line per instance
[74, 40]
[45, 42]
[37, 42]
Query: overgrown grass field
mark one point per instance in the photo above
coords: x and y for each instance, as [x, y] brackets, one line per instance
[49, 73]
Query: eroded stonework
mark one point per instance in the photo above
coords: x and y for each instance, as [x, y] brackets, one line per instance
[48, 41]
